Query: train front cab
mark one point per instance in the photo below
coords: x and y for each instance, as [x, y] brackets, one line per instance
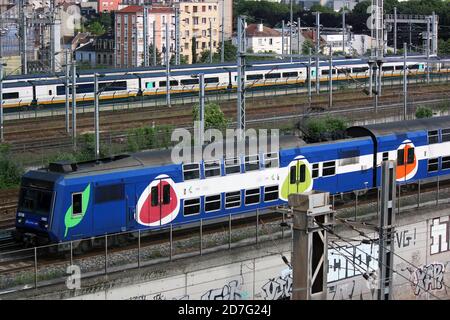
[35, 208]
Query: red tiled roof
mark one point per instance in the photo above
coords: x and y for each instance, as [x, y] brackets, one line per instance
[253, 31]
[161, 10]
[132, 9]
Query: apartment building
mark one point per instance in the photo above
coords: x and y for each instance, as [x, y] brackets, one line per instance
[129, 35]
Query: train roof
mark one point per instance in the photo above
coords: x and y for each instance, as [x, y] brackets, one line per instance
[152, 158]
[399, 127]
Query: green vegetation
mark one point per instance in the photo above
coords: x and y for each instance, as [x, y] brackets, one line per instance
[230, 54]
[149, 138]
[323, 129]
[214, 117]
[96, 28]
[150, 55]
[10, 171]
[423, 112]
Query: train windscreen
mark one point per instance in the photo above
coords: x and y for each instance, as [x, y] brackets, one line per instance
[37, 201]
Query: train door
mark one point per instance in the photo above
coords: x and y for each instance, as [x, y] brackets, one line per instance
[161, 205]
[297, 177]
[405, 162]
[130, 209]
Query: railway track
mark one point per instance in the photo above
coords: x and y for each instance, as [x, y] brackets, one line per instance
[28, 130]
[8, 206]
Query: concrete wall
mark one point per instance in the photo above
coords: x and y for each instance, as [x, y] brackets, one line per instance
[422, 265]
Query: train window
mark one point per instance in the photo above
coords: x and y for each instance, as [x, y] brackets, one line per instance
[389, 68]
[255, 77]
[112, 86]
[213, 203]
[329, 168]
[154, 196]
[212, 168]
[109, 193]
[325, 72]
[273, 75]
[271, 160]
[433, 137]
[150, 85]
[302, 173]
[385, 156]
[36, 201]
[212, 80]
[191, 206]
[77, 203]
[189, 81]
[232, 165]
[173, 83]
[357, 70]
[349, 161]
[50, 92]
[290, 74]
[271, 193]
[433, 165]
[293, 175]
[445, 135]
[251, 163]
[191, 171]
[400, 157]
[233, 199]
[343, 71]
[251, 196]
[410, 159]
[315, 170]
[10, 95]
[166, 194]
[445, 163]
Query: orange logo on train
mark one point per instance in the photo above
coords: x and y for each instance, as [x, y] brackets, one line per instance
[407, 163]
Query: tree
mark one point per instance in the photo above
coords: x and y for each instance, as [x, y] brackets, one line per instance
[322, 129]
[306, 45]
[423, 112]
[230, 51]
[322, 9]
[194, 50]
[10, 170]
[183, 59]
[158, 55]
[96, 28]
[214, 117]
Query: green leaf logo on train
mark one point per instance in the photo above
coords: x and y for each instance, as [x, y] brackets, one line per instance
[71, 220]
[297, 178]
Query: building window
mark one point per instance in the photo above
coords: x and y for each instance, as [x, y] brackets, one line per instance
[203, 8]
[270, 41]
[204, 20]
[270, 193]
[213, 203]
[251, 196]
[433, 137]
[191, 171]
[329, 168]
[203, 33]
[433, 165]
[191, 206]
[232, 199]
[195, 20]
[194, 8]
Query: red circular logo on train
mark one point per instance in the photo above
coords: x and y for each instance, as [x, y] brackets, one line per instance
[407, 163]
[158, 203]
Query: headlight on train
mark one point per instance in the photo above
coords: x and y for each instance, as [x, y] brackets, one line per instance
[19, 220]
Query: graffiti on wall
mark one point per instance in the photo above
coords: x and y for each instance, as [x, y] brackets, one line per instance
[427, 278]
[230, 291]
[348, 261]
[279, 288]
[405, 238]
[439, 234]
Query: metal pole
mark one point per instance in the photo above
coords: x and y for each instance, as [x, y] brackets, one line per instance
[370, 79]
[428, 50]
[257, 225]
[434, 43]
[96, 117]
[229, 231]
[395, 30]
[405, 81]
[139, 248]
[309, 77]
[317, 52]
[154, 43]
[210, 42]
[222, 53]
[290, 29]
[201, 77]
[177, 36]
[106, 254]
[145, 36]
[74, 104]
[241, 76]
[343, 30]
[171, 242]
[35, 268]
[201, 236]
[2, 138]
[330, 80]
[167, 61]
[282, 38]
[298, 35]
[67, 92]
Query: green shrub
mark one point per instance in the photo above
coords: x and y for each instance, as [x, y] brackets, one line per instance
[423, 112]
